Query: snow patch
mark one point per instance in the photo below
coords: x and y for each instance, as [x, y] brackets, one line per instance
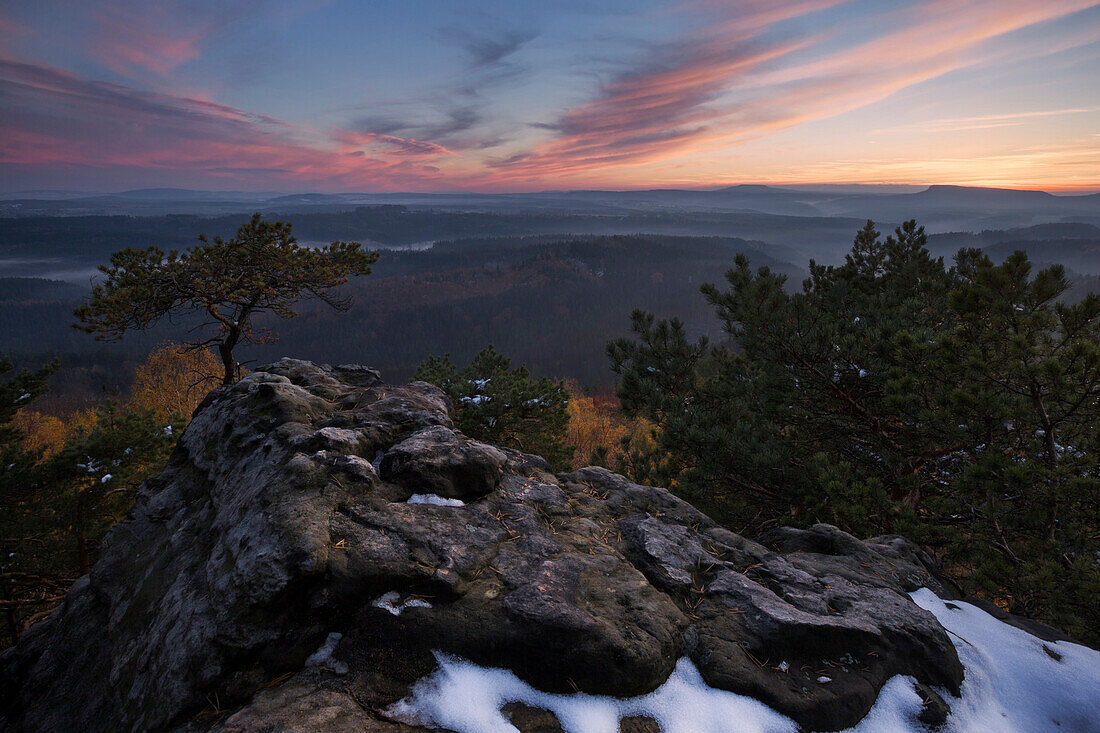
[434, 499]
[1012, 685]
[464, 697]
[389, 602]
[323, 656]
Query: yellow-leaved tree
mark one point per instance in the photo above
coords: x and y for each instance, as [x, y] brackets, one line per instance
[598, 428]
[43, 434]
[174, 379]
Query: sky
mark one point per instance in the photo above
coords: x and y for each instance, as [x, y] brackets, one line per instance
[512, 95]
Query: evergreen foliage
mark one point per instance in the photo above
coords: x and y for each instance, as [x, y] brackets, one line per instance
[54, 508]
[17, 392]
[17, 483]
[894, 394]
[497, 404]
[90, 483]
[226, 282]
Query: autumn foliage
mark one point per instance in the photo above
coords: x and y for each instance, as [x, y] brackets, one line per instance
[599, 431]
[67, 478]
[175, 379]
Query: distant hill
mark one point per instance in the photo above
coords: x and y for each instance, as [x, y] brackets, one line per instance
[940, 208]
[967, 195]
[1077, 246]
[1081, 255]
[48, 243]
[961, 208]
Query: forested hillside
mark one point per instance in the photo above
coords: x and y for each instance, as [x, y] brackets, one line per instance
[552, 302]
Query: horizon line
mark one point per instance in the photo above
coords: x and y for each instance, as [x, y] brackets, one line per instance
[710, 187]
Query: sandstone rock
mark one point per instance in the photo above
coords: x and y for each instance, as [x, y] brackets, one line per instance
[527, 719]
[436, 460]
[638, 724]
[304, 705]
[281, 520]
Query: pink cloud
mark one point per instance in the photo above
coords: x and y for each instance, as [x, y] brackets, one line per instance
[356, 139]
[120, 128]
[759, 67]
[12, 28]
[132, 36]
[724, 84]
[126, 38]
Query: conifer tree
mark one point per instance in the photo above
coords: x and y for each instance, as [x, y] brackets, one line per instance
[497, 404]
[21, 523]
[90, 483]
[16, 393]
[894, 394]
[223, 282]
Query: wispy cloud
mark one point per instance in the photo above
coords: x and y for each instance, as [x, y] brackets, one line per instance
[487, 49]
[124, 128]
[982, 122]
[133, 37]
[442, 125]
[129, 37]
[11, 28]
[525, 105]
[727, 83]
[456, 116]
[390, 143]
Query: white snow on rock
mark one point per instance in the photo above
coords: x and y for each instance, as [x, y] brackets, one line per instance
[464, 697]
[323, 656]
[389, 602]
[1012, 685]
[434, 499]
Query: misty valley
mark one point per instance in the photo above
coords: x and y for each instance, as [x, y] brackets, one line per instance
[547, 278]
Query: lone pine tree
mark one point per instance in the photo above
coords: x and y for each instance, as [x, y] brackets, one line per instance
[225, 282]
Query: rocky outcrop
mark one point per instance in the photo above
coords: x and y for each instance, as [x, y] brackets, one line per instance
[276, 577]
